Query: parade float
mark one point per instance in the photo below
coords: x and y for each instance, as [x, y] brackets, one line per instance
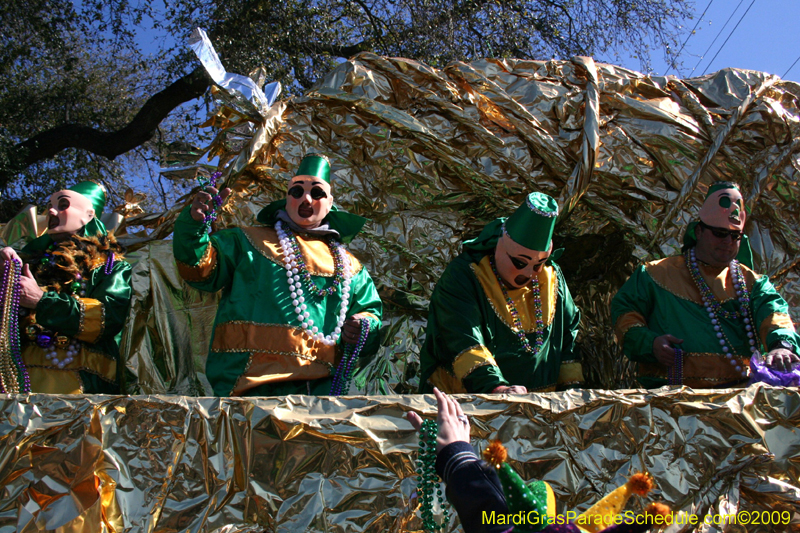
[429, 156]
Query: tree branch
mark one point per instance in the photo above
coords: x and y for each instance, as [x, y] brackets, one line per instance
[111, 144]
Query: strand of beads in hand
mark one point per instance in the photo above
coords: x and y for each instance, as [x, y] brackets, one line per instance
[13, 373]
[428, 481]
[344, 372]
[211, 215]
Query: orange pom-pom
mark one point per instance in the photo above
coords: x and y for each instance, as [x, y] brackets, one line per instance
[659, 509]
[495, 454]
[640, 484]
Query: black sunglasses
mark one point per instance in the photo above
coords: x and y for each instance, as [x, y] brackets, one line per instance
[297, 192]
[720, 233]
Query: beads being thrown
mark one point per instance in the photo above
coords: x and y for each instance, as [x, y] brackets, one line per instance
[296, 273]
[211, 215]
[715, 311]
[428, 480]
[523, 338]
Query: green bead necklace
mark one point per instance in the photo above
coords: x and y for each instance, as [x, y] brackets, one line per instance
[428, 478]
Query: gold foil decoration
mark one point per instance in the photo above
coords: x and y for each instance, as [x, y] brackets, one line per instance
[298, 463]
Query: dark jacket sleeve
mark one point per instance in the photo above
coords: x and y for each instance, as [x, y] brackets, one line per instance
[473, 488]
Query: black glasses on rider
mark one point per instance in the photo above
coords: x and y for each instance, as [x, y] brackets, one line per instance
[317, 193]
[720, 233]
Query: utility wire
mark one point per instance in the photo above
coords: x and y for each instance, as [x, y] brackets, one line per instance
[702, 57]
[729, 35]
[689, 36]
[790, 68]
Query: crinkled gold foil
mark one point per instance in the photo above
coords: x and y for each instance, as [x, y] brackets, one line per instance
[305, 464]
[430, 156]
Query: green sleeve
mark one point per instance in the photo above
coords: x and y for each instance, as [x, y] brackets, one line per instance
[62, 312]
[767, 302]
[572, 320]
[485, 379]
[458, 324]
[190, 244]
[635, 296]
[364, 299]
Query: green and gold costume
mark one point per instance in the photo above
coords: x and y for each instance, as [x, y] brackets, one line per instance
[258, 348]
[82, 304]
[470, 345]
[661, 298]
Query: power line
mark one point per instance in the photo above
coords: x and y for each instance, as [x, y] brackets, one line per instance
[702, 57]
[690, 35]
[729, 35]
[790, 68]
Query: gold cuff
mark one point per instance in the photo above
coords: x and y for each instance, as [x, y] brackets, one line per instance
[92, 320]
[202, 270]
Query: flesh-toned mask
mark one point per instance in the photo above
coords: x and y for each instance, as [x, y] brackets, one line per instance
[68, 212]
[308, 201]
[516, 264]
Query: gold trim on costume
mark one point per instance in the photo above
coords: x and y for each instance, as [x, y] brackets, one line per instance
[81, 315]
[672, 275]
[93, 320]
[522, 298]
[773, 322]
[47, 378]
[625, 322]
[470, 359]
[700, 370]
[446, 382]
[277, 353]
[203, 270]
[316, 253]
[570, 373]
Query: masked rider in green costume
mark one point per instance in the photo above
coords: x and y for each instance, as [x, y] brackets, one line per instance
[696, 319]
[291, 292]
[501, 317]
[76, 290]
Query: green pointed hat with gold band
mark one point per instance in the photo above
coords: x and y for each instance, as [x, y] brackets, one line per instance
[315, 165]
[533, 222]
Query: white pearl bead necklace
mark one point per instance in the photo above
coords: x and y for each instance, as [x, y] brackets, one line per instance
[293, 278]
[73, 349]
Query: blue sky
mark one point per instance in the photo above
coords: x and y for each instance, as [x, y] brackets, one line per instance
[767, 38]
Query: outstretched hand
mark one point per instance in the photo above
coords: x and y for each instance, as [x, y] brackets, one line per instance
[203, 202]
[453, 423]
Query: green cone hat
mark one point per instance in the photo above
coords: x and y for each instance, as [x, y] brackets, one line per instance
[533, 222]
[97, 195]
[315, 165]
[94, 193]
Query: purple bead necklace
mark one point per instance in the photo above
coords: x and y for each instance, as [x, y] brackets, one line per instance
[344, 372]
[211, 216]
[675, 372]
[14, 376]
[518, 329]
